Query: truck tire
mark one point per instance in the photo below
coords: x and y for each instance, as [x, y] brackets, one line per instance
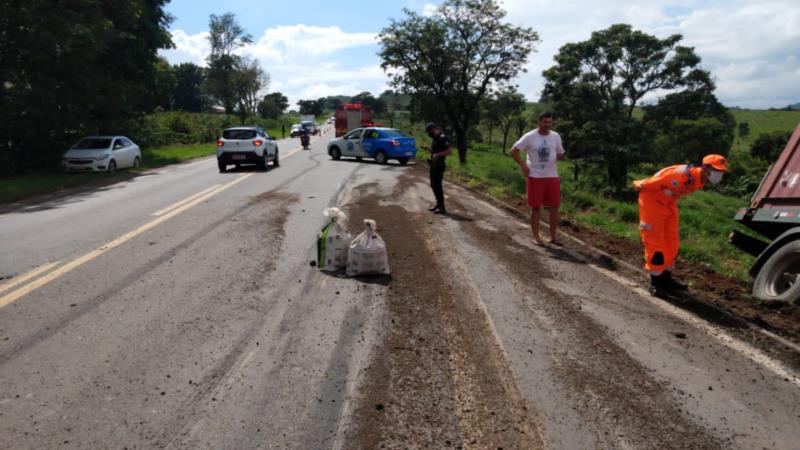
[778, 278]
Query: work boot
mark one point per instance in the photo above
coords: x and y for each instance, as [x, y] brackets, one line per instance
[657, 287]
[672, 284]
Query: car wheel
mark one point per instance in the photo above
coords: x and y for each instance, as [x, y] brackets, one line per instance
[358, 158]
[265, 162]
[136, 163]
[403, 161]
[779, 277]
[112, 166]
[276, 162]
[222, 166]
[380, 157]
[336, 154]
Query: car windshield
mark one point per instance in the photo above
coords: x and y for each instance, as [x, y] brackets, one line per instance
[391, 134]
[239, 134]
[92, 144]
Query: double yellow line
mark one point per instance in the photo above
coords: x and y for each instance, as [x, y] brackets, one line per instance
[163, 216]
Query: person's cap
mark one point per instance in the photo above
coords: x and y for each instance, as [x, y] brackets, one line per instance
[430, 126]
[716, 162]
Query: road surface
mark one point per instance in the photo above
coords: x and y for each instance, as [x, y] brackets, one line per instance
[180, 309]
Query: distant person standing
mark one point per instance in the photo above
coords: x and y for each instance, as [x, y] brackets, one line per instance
[544, 148]
[440, 149]
[283, 131]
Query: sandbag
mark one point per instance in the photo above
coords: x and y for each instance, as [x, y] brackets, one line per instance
[333, 242]
[367, 254]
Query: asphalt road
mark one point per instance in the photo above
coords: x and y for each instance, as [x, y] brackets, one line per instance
[179, 309]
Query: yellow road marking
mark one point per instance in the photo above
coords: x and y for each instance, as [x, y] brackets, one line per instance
[81, 260]
[184, 201]
[19, 279]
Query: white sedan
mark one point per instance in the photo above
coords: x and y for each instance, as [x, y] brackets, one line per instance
[102, 154]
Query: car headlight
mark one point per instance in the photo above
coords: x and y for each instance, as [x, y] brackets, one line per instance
[102, 157]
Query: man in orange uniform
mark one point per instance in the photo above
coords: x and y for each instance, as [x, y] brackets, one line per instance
[658, 216]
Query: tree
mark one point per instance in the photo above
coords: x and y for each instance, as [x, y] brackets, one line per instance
[76, 68]
[312, 107]
[508, 105]
[768, 146]
[597, 84]
[451, 61]
[163, 95]
[188, 90]
[377, 105]
[273, 105]
[225, 36]
[250, 81]
[743, 129]
[688, 125]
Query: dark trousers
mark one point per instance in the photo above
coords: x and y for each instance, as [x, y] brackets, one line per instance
[437, 176]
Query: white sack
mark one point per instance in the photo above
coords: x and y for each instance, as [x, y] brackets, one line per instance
[368, 253]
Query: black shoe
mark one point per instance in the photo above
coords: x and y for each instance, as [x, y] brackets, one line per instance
[441, 211]
[672, 284]
[434, 208]
[657, 287]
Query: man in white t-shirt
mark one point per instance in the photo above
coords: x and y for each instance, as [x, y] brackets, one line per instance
[544, 148]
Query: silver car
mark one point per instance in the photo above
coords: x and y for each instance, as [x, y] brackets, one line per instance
[102, 154]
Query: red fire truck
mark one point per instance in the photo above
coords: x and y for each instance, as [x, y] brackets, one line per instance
[351, 116]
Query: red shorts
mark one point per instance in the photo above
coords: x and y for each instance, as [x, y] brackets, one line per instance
[544, 192]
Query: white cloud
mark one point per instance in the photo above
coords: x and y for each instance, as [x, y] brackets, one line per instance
[429, 10]
[301, 59]
[748, 45]
[188, 48]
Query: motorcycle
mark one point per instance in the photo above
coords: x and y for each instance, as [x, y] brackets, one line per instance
[305, 140]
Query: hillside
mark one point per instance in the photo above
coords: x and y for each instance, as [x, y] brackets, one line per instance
[763, 121]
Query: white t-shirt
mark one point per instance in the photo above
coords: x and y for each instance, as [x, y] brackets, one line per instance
[542, 153]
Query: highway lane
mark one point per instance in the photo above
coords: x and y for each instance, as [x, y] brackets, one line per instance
[53, 229]
[208, 327]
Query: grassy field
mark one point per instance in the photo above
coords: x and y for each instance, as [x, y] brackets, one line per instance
[762, 121]
[34, 184]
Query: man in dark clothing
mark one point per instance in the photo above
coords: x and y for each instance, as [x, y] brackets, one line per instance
[440, 149]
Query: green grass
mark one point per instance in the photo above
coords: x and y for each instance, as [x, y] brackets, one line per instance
[18, 188]
[163, 156]
[762, 121]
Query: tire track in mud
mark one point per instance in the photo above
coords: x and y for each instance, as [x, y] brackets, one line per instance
[439, 380]
[608, 385]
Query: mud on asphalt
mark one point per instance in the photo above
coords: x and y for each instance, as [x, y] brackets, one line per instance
[440, 381]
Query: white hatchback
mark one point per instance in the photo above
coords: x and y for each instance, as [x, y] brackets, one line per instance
[102, 154]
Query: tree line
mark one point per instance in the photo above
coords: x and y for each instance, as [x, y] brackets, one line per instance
[621, 98]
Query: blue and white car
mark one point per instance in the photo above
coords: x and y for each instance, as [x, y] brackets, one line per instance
[380, 144]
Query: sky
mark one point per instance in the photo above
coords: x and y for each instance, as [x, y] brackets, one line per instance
[318, 48]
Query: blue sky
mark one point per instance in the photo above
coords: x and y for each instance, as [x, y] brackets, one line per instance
[316, 48]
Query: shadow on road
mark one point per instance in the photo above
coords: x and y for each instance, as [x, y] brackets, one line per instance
[67, 196]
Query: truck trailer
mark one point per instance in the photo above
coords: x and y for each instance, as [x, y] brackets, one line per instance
[774, 213]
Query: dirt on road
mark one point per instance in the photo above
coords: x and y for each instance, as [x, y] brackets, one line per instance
[441, 381]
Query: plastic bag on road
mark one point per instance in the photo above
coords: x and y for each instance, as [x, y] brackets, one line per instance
[368, 253]
[333, 243]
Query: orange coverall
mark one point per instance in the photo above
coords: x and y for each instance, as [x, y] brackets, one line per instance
[658, 213]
